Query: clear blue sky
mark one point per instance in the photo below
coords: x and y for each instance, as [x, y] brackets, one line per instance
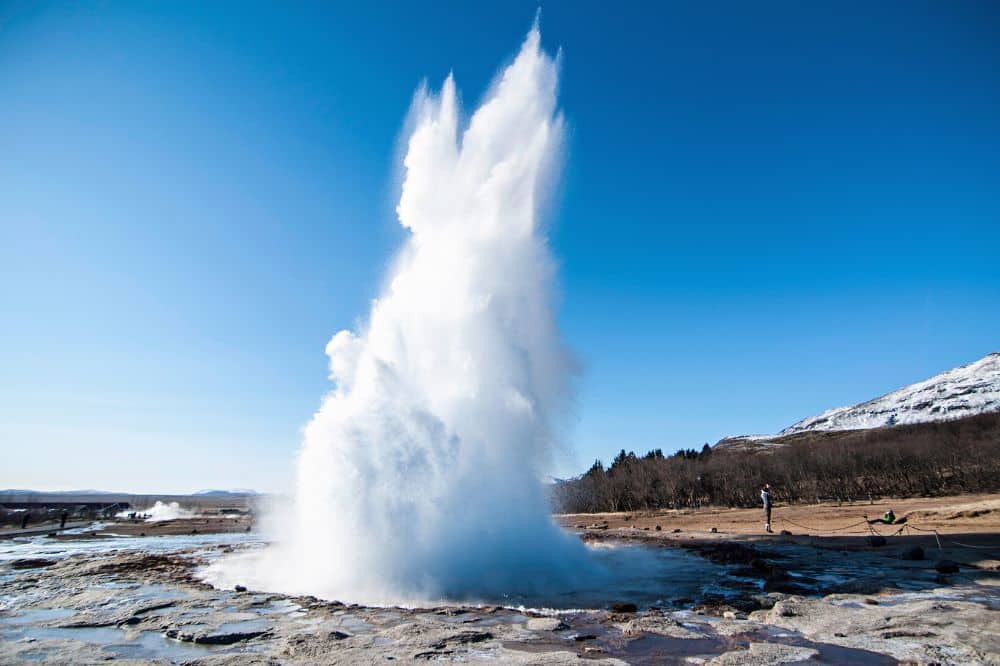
[768, 209]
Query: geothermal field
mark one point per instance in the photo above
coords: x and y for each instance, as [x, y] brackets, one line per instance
[669, 587]
[420, 529]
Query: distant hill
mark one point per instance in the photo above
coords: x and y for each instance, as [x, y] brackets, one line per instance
[22, 491]
[11, 494]
[962, 392]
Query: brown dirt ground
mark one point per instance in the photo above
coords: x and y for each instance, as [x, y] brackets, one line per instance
[965, 528]
[961, 514]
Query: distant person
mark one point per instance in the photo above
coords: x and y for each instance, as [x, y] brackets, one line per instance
[62, 520]
[765, 497]
[24, 520]
[887, 518]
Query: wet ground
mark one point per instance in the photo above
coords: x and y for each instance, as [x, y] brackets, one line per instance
[86, 598]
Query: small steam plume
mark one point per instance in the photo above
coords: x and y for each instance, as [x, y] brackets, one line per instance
[419, 475]
[160, 511]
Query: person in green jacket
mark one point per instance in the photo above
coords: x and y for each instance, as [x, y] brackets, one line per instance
[887, 518]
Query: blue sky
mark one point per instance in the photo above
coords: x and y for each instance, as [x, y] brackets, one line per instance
[766, 210]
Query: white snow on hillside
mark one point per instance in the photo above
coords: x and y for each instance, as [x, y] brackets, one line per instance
[746, 441]
[965, 391]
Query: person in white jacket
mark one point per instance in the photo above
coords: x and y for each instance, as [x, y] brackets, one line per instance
[765, 497]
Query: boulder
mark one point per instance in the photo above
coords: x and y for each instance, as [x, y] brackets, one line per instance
[764, 601]
[786, 587]
[31, 563]
[624, 607]
[658, 528]
[783, 609]
[546, 624]
[746, 605]
[864, 585]
[463, 638]
[725, 552]
[946, 566]
[228, 638]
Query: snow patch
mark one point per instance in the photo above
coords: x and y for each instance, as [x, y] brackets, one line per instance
[964, 391]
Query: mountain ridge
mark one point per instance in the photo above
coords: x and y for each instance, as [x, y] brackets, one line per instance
[967, 390]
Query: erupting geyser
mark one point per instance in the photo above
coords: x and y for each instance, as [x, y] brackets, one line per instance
[419, 475]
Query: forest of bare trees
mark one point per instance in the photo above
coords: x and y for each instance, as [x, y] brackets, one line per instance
[927, 459]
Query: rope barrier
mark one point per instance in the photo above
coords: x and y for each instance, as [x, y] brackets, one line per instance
[817, 529]
[967, 545]
[902, 528]
[938, 536]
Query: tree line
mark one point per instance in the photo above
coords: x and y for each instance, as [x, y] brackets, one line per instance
[927, 459]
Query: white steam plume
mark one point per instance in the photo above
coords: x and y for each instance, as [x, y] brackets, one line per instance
[419, 475]
[160, 511]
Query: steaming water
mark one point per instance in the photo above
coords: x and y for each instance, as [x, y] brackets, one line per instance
[646, 576]
[160, 511]
[418, 477]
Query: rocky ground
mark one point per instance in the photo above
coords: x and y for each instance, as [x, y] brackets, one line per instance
[76, 529]
[775, 600]
[205, 524]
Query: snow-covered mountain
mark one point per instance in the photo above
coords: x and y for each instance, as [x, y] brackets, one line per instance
[964, 391]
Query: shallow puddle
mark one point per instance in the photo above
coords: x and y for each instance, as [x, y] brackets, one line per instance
[147, 645]
[36, 616]
[658, 649]
[354, 625]
[243, 627]
[151, 644]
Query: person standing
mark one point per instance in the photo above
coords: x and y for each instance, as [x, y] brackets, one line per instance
[765, 497]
